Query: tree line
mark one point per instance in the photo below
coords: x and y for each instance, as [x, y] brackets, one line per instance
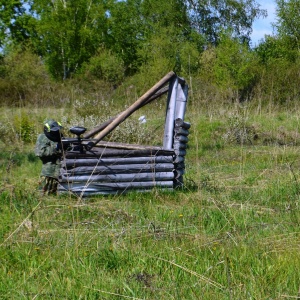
[114, 41]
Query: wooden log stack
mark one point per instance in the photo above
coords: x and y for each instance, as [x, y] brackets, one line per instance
[181, 132]
[112, 168]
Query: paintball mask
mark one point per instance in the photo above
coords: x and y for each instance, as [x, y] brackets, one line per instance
[52, 130]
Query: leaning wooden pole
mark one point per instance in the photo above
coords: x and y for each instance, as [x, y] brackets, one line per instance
[100, 127]
[131, 109]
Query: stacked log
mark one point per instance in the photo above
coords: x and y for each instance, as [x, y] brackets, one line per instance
[107, 170]
[181, 132]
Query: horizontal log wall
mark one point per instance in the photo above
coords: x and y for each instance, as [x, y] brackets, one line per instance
[112, 171]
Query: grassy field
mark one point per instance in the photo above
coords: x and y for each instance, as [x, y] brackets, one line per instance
[232, 233]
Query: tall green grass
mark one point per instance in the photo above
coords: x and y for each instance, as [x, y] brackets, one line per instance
[231, 233]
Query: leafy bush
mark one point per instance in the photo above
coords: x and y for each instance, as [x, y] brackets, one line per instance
[105, 65]
[23, 74]
[24, 128]
[231, 68]
[280, 82]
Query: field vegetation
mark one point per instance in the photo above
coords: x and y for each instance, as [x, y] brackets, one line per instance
[232, 232]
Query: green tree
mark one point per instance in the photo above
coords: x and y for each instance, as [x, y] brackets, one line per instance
[15, 21]
[23, 78]
[126, 32]
[277, 47]
[68, 33]
[105, 66]
[212, 17]
[149, 33]
[288, 21]
[171, 42]
[166, 14]
[280, 55]
[232, 67]
[136, 33]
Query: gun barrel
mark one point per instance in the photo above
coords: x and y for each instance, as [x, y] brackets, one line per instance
[69, 140]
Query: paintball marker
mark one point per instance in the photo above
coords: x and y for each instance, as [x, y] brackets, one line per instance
[75, 144]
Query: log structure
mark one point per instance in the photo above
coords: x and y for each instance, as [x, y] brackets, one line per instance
[181, 132]
[112, 168]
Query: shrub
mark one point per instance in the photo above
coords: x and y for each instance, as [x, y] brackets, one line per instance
[23, 73]
[105, 65]
[24, 128]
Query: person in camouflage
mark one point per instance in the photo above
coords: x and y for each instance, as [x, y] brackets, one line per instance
[48, 149]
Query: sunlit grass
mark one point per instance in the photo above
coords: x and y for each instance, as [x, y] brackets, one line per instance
[231, 233]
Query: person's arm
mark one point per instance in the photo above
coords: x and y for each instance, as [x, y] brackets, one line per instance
[46, 148]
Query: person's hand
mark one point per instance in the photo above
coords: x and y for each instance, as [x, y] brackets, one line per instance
[89, 146]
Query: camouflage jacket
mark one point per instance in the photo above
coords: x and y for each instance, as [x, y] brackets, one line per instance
[47, 151]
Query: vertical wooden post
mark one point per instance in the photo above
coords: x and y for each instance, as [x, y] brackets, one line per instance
[170, 116]
[181, 102]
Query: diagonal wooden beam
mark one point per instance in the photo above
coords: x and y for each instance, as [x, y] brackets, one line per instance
[131, 109]
[100, 127]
